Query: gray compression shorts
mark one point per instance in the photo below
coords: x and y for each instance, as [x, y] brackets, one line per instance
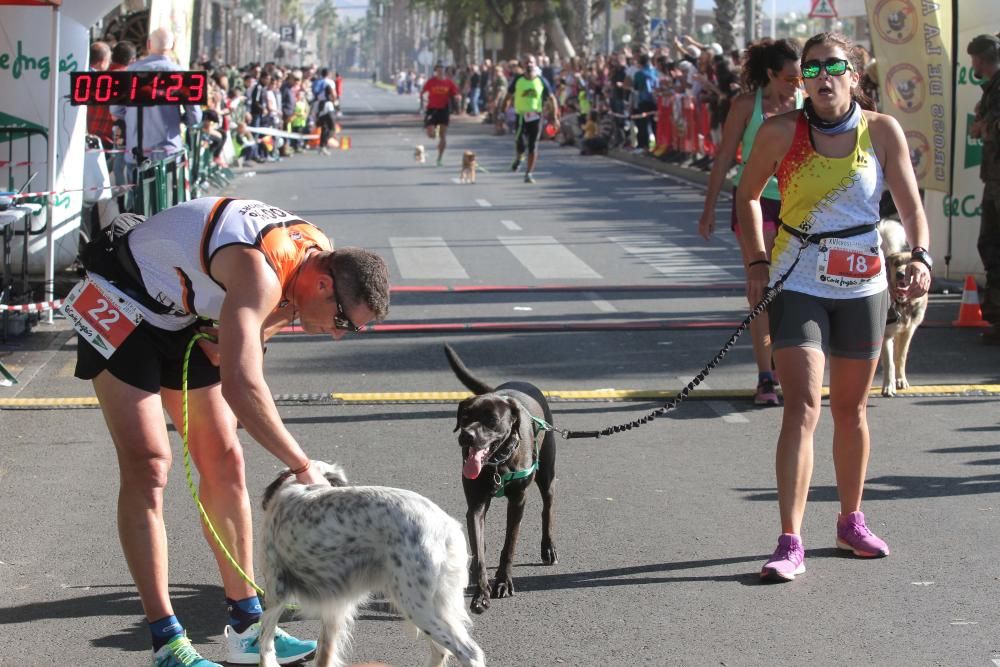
[850, 328]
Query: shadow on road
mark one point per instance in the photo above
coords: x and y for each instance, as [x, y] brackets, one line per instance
[201, 607]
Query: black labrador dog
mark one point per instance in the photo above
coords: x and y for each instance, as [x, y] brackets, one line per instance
[503, 450]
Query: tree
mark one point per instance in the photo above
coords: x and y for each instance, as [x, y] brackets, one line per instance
[640, 12]
[725, 16]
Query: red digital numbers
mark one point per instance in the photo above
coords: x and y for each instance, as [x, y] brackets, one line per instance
[134, 88]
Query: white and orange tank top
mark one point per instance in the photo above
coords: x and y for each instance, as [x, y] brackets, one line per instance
[823, 194]
[174, 249]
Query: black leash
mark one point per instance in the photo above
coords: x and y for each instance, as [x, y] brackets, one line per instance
[672, 404]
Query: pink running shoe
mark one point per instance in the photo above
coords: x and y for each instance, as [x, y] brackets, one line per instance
[766, 394]
[787, 561]
[853, 535]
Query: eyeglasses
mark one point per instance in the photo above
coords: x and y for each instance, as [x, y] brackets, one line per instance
[791, 79]
[833, 67]
[340, 320]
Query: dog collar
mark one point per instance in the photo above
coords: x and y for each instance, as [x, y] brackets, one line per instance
[537, 426]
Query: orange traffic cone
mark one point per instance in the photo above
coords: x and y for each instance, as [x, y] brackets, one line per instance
[337, 128]
[969, 313]
[345, 144]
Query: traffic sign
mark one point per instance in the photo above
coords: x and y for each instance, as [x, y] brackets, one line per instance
[659, 35]
[823, 9]
[287, 33]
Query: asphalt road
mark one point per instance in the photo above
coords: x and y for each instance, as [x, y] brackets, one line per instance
[660, 531]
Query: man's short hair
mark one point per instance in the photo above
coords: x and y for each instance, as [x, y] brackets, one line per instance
[123, 53]
[985, 46]
[361, 277]
[99, 52]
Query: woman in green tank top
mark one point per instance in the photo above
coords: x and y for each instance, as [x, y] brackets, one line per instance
[772, 79]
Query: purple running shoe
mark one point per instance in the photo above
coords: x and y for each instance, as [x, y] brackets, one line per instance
[787, 561]
[853, 535]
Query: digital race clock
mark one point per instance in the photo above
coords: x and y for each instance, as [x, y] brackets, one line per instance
[137, 89]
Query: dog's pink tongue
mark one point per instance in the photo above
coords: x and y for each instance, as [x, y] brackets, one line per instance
[474, 464]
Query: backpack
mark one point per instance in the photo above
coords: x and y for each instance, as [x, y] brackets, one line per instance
[107, 254]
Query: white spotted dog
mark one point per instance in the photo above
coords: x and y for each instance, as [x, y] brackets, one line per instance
[328, 548]
[905, 315]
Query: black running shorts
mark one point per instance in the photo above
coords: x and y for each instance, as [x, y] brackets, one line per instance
[437, 117]
[150, 358]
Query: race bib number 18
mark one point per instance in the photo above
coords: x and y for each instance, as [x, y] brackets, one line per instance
[104, 320]
[843, 263]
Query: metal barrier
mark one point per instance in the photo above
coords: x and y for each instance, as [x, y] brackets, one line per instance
[161, 184]
[22, 159]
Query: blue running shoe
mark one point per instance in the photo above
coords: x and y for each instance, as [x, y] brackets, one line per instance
[178, 652]
[244, 649]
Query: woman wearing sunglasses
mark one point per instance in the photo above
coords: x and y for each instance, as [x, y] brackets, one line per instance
[832, 159]
[771, 75]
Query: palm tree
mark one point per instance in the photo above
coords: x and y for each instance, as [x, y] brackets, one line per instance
[585, 26]
[640, 12]
[725, 16]
[324, 20]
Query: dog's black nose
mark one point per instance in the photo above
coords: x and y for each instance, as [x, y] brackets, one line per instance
[465, 438]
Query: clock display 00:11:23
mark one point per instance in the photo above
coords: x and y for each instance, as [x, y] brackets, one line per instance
[134, 88]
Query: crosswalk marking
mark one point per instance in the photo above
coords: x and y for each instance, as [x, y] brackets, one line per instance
[483, 203]
[601, 304]
[511, 225]
[425, 257]
[684, 265]
[546, 258]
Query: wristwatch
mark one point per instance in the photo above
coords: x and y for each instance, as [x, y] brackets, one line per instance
[922, 256]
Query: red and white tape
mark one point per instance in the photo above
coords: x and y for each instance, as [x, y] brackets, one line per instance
[49, 193]
[32, 307]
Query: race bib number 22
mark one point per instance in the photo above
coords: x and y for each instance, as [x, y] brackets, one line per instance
[103, 319]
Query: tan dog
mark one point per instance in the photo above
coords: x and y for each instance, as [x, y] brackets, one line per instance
[905, 315]
[469, 164]
[418, 153]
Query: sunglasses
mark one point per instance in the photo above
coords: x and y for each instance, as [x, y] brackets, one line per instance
[833, 67]
[791, 79]
[340, 320]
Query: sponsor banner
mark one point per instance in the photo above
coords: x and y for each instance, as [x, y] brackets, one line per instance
[26, 74]
[963, 205]
[912, 42]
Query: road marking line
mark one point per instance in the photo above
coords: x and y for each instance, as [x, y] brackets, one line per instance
[511, 225]
[601, 304]
[689, 264]
[484, 203]
[425, 257]
[728, 413]
[546, 258]
[456, 181]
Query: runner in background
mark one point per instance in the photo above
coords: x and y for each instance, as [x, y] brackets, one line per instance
[440, 91]
[529, 93]
[772, 78]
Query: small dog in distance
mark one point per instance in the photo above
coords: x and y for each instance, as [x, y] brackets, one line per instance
[329, 548]
[905, 315]
[469, 165]
[418, 154]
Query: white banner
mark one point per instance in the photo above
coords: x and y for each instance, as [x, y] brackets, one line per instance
[25, 48]
[975, 17]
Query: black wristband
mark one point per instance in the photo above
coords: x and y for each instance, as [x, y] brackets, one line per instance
[759, 261]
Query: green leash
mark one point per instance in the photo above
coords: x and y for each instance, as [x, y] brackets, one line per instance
[187, 465]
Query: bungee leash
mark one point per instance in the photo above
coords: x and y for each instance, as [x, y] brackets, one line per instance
[769, 296]
[187, 466]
